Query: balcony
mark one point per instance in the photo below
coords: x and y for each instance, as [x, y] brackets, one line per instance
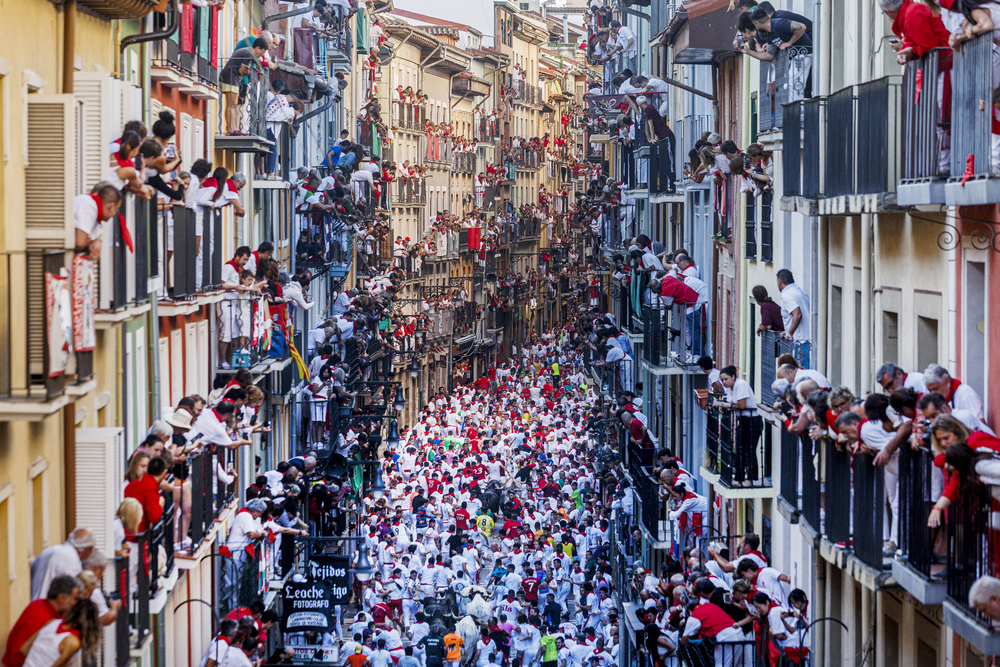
[667, 339]
[972, 553]
[854, 133]
[123, 275]
[922, 181]
[917, 567]
[486, 196]
[528, 94]
[847, 513]
[243, 128]
[35, 366]
[187, 61]
[972, 179]
[737, 457]
[412, 192]
[650, 510]
[525, 158]
[776, 90]
[464, 163]
[409, 116]
[486, 130]
[468, 85]
[195, 265]
[772, 346]
[662, 177]
[622, 308]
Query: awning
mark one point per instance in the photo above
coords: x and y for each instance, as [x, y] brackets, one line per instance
[702, 32]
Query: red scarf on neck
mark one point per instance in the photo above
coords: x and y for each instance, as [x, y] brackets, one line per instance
[126, 237]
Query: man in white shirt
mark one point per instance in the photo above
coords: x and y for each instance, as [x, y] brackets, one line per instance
[217, 653]
[934, 404]
[958, 395]
[795, 314]
[87, 218]
[59, 559]
[625, 42]
[229, 313]
[796, 376]
[245, 529]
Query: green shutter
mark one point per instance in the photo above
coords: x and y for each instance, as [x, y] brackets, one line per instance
[204, 32]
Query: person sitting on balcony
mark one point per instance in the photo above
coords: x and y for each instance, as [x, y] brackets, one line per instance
[958, 395]
[89, 212]
[231, 79]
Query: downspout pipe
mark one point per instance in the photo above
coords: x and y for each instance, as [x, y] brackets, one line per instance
[69, 45]
[284, 15]
[315, 112]
[143, 38]
[628, 10]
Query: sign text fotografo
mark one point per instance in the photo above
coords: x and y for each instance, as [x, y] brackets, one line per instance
[308, 607]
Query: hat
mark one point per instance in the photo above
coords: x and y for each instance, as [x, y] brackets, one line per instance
[359, 649]
[180, 419]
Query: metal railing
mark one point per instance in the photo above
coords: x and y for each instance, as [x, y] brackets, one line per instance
[772, 346]
[663, 333]
[840, 144]
[837, 474]
[251, 108]
[776, 90]
[972, 107]
[526, 158]
[878, 110]
[723, 197]
[788, 462]
[410, 191]
[813, 112]
[463, 162]
[922, 131]
[792, 150]
[972, 544]
[209, 494]
[662, 177]
[869, 506]
[811, 488]
[916, 539]
[409, 116]
[735, 449]
[485, 130]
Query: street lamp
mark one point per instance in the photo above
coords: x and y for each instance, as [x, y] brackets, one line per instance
[414, 367]
[377, 487]
[393, 440]
[400, 403]
[363, 569]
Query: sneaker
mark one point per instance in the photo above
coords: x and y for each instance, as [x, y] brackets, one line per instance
[224, 365]
[889, 548]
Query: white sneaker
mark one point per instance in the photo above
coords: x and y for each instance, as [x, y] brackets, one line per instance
[224, 365]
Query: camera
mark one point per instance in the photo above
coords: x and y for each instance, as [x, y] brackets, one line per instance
[926, 437]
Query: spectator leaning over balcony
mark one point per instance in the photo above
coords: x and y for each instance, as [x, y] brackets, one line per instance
[215, 656]
[89, 212]
[64, 592]
[263, 252]
[770, 312]
[59, 640]
[795, 313]
[655, 127]
[933, 404]
[984, 596]
[625, 42]
[211, 426]
[957, 394]
[107, 611]
[65, 558]
[891, 377]
[786, 33]
[795, 376]
[240, 64]
[740, 398]
[239, 545]
[123, 172]
[147, 491]
[167, 160]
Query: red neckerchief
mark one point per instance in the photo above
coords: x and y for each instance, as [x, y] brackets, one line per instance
[954, 385]
[126, 237]
[123, 162]
[233, 264]
[256, 257]
[219, 417]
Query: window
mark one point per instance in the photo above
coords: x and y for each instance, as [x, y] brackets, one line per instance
[927, 341]
[890, 337]
[836, 334]
[975, 336]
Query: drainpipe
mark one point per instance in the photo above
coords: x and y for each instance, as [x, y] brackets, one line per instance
[633, 12]
[69, 45]
[284, 15]
[143, 38]
[312, 114]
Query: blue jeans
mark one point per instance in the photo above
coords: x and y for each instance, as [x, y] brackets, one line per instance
[802, 350]
[272, 157]
[694, 332]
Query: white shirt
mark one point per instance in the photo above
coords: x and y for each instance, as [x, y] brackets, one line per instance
[803, 374]
[243, 523]
[767, 582]
[218, 650]
[236, 657]
[971, 421]
[231, 276]
[741, 389]
[790, 299]
[85, 216]
[966, 398]
[625, 35]
[54, 561]
[212, 430]
[699, 286]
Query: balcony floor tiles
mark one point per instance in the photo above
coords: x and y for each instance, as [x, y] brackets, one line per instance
[926, 591]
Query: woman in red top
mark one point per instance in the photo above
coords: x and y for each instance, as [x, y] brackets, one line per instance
[948, 432]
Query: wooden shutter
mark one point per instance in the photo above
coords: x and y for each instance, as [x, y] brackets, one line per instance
[155, 107]
[198, 139]
[50, 178]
